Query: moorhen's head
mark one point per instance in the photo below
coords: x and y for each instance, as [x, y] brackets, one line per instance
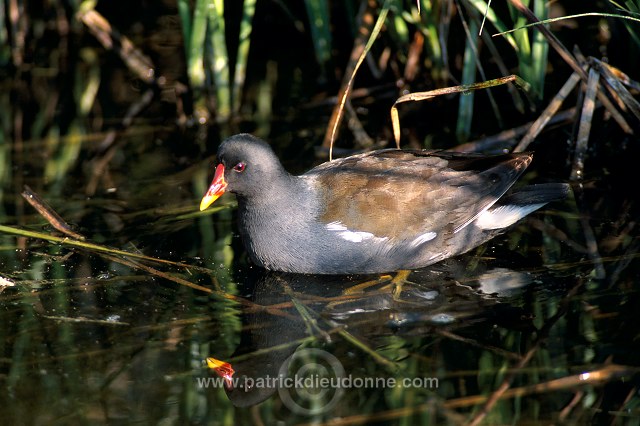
[247, 167]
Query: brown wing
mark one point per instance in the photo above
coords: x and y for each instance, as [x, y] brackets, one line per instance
[404, 194]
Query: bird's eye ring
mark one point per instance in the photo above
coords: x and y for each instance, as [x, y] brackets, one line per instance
[239, 167]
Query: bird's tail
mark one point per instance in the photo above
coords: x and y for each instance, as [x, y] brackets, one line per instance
[542, 193]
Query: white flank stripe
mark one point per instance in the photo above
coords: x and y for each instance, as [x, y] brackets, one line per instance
[353, 236]
[504, 216]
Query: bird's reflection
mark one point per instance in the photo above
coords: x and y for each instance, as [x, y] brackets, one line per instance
[293, 307]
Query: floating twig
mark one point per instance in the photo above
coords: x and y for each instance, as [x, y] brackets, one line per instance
[48, 213]
[94, 247]
[83, 320]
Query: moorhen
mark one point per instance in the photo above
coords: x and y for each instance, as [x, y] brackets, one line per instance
[380, 211]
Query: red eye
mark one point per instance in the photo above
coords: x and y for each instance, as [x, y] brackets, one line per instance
[239, 167]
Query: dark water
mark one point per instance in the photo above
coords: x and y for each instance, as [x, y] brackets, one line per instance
[93, 337]
[539, 326]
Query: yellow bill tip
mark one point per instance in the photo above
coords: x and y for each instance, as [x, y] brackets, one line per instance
[215, 363]
[207, 200]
